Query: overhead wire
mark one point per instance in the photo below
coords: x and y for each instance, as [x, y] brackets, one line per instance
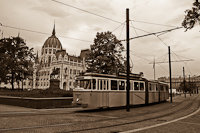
[164, 68]
[183, 56]
[139, 56]
[131, 63]
[134, 28]
[165, 58]
[153, 23]
[86, 11]
[43, 33]
[162, 41]
[95, 15]
[121, 31]
[162, 56]
[107, 17]
[118, 26]
[176, 55]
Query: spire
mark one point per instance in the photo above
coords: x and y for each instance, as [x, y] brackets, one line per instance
[36, 58]
[18, 33]
[54, 32]
[37, 55]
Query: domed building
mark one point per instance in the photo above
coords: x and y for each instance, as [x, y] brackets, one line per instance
[53, 56]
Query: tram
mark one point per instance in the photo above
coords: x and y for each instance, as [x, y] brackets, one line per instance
[95, 90]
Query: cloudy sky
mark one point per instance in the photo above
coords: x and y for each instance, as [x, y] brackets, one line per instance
[77, 29]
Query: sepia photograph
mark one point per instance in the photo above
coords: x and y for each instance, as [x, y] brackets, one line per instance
[93, 66]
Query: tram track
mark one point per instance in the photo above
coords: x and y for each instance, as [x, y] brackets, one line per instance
[49, 112]
[138, 121]
[136, 118]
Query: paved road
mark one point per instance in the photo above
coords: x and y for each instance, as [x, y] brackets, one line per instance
[163, 117]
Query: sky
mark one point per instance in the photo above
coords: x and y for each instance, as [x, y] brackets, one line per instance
[77, 29]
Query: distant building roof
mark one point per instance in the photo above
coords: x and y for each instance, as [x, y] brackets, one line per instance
[60, 52]
[74, 58]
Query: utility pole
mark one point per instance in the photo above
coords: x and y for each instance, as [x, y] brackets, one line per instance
[128, 67]
[190, 85]
[184, 80]
[154, 67]
[170, 77]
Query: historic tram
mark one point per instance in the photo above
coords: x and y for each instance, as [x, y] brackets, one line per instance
[103, 90]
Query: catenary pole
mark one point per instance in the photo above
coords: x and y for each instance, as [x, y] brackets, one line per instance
[128, 66]
[170, 77]
[154, 67]
[190, 85]
[184, 81]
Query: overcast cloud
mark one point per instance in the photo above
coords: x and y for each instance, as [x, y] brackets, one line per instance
[39, 15]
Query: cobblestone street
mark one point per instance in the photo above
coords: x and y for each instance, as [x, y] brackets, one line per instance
[19, 119]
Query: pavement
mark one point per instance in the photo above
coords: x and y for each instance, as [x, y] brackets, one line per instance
[140, 119]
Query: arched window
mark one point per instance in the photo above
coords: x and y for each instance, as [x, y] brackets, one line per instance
[54, 51]
[49, 59]
[66, 70]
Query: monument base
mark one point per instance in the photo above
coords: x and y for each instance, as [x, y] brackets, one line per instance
[54, 84]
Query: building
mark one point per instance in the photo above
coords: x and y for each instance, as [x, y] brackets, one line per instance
[53, 56]
[176, 81]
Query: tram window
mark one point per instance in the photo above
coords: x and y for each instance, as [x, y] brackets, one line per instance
[166, 88]
[100, 84]
[86, 84]
[136, 86]
[107, 84]
[94, 84]
[161, 88]
[150, 87]
[121, 85]
[153, 87]
[104, 84]
[113, 85]
[142, 86]
[77, 84]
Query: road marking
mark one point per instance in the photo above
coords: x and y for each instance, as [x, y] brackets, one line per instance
[8, 129]
[190, 123]
[60, 109]
[161, 124]
[104, 116]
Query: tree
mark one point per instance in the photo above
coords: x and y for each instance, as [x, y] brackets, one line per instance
[16, 60]
[106, 55]
[186, 86]
[192, 16]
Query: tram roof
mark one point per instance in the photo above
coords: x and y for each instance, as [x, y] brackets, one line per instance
[156, 81]
[120, 75]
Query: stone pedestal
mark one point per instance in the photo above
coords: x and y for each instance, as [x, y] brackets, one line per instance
[54, 84]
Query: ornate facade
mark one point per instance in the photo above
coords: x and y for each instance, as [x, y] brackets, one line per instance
[53, 56]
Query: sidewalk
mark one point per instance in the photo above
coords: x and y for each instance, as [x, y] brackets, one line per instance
[10, 108]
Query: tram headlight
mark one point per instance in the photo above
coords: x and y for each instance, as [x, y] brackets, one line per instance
[77, 100]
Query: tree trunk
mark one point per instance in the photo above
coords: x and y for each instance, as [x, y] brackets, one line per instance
[18, 84]
[12, 81]
[22, 85]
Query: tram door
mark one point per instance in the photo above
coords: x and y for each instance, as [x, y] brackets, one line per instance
[103, 93]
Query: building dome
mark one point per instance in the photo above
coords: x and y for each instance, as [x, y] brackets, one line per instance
[52, 41]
